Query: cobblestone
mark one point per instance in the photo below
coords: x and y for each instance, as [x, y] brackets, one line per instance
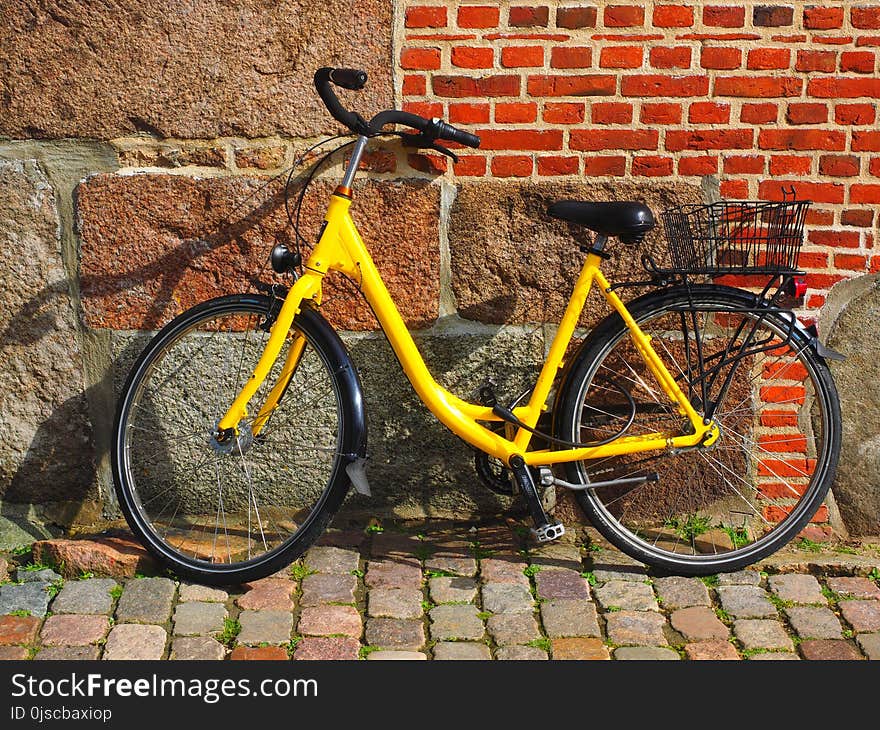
[146, 601]
[135, 642]
[861, 615]
[521, 653]
[761, 634]
[455, 622]
[46, 575]
[561, 584]
[73, 630]
[774, 656]
[829, 650]
[507, 598]
[13, 653]
[870, 645]
[395, 602]
[328, 559]
[677, 592]
[854, 587]
[649, 653]
[327, 620]
[196, 618]
[394, 573]
[31, 597]
[270, 594]
[463, 565]
[201, 648]
[627, 595]
[18, 629]
[332, 648]
[578, 648]
[194, 592]
[85, 596]
[641, 628]
[265, 627]
[714, 650]
[513, 628]
[259, 653]
[500, 570]
[68, 653]
[812, 622]
[328, 588]
[746, 601]
[570, 618]
[740, 578]
[389, 655]
[395, 633]
[698, 623]
[452, 589]
[797, 588]
[460, 650]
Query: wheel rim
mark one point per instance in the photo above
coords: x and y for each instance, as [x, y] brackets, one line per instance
[746, 494]
[216, 506]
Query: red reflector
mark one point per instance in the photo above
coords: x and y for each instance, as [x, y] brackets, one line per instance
[799, 286]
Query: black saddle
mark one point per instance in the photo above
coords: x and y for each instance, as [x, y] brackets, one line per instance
[629, 221]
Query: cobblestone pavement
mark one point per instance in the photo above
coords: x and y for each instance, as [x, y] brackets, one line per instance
[441, 591]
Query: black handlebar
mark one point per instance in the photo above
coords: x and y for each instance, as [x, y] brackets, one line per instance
[348, 78]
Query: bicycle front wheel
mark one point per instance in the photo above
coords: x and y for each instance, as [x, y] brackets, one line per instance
[756, 373]
[235, 511]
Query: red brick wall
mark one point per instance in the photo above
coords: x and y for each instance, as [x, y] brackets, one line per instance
[761, 96]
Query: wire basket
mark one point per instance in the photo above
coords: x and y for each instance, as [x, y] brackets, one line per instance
[735, 237]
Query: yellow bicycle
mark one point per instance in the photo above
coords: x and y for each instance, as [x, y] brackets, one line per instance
[698, 424]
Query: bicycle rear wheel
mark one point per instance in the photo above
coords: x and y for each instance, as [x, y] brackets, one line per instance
[240, 510]
[722, 507]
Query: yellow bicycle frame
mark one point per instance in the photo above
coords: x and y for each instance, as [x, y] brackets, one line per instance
[340, 248]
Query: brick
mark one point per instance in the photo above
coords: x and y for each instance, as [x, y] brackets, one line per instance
[133, 642]
[823, 18]
[806, 114]
[839, 165]
[763, 59]
[512, 166]
[707, 112]
[259, 653]
[570, 57]
[557, 165]
[578, 649]
[757, 87]
[657, 85]
[735, 189]
[464, 113]
[835, 239]
[114, 557]
[612, 113]
[516, 112]
[862, 219]
[816, 61]
[525, 16]
[720, 58]
[758, 113]
[74, 630]
[844, 88]
[525, 57]
[563, 113]
[520, 139]
[829, 650]
[469, 57]
[414, 85]
[743, 165]
[861, 615]
[422, 16]
[576, 17]
[864, 194]
[593, 140]
[396, 634]
[621, 57]
[708, 139]
[865, 17]
[18, 629]
[772, 16]
[603, 166]
[866, 141]
[790, 165]
[850, 262]
[327, 648]
[697, 165]
[727, 16]
[623, 16]
[801, 139]
[478, 16]
[470, 165]
[588, 85]
[674, 57]
[461, 87]
[711, 650]
[861, 62]
[197, 648]
[660, 113]
[673, 16]
[424, 59]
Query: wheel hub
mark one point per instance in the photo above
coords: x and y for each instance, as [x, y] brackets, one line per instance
[233, 443]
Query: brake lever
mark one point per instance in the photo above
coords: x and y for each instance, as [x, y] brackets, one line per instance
[423, 142]
[443, 150]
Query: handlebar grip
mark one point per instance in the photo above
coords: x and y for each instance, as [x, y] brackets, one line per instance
[349, 78]
[453, 134]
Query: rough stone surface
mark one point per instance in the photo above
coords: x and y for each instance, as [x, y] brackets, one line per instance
[811, 622]
[115, 557]
[269, 627]
[569, 618]
[134, 642]
[395, 633]
[627, 595]
[336, 648]
[4, 570]
[86, 596]
[30, 597]
[648, 653]
[244, 71]
[328, 588]
[861, 615]
[259, 653]
[460, 650]
[561, 585]
[455, 622]
[46, 575]
[395, 602]
[857, 484]
[68, 653]
[829, 650]
[154, 245]
[72, 630]
[386, 655]
[331, 559]
[513, 628]
[714, 650]
[761, 634]
[146, 601]
[740, 578]
[13, 653]
[194, 592]
[452, 589]
[797, 588]
[774, 656]
[45, 434]
[202, 648]
[458, 564]
[18, 629]
[500, 570]
[745, 601]
[677, 592]
[499, 274]
[507, 598]
[520, 654]
[326, 620]
[643, 628]
[854, 587]
[698, 623]
[569, 649]
[870, 645]
[196, 618]
[271, 593]
[393, 574]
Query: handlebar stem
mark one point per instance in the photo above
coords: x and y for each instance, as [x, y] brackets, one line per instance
[355, 161]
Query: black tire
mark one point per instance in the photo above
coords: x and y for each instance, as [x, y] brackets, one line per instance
[606, 347]
[292, 523]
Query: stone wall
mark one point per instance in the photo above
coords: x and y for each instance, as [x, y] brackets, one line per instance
[140, 148]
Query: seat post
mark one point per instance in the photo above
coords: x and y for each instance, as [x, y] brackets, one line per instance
[598, 246]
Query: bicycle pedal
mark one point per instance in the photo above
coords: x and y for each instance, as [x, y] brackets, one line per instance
[547, 533]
